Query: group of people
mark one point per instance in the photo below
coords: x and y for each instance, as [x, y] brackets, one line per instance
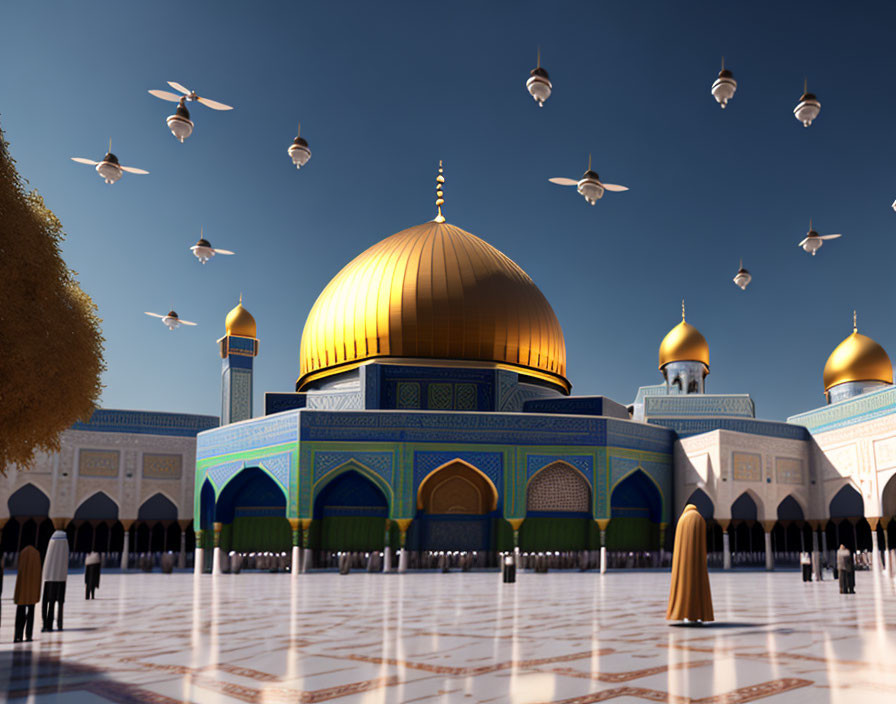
[844, 570]
[52, 575]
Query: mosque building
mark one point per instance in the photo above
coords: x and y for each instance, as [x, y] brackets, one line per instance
[433, 413]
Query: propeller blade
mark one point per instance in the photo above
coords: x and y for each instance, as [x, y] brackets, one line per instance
[223, 251]
[214, 104]
[82, 160]
[178, 86]
[830, 237]
[186, 322]
[165, 95]
[154, 315]
[132, 170]
[614, 187]
[564, 181]
[803, 242]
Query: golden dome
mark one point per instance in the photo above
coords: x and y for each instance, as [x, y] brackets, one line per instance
[684, 343]
[857, 358]
[433, 292]
[240, 321]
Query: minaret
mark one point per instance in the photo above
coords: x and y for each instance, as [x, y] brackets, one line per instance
[237, 348]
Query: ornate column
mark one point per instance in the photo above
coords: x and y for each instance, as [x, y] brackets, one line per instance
[198, 555]
[295, 560]
[602, 523]
[306, 543]
[387, 549]
[125, 548]
[726, 542]
[182, 555]
[403, 525]
[515, 523]
[875, 551]
[216, 554]
[767, 526]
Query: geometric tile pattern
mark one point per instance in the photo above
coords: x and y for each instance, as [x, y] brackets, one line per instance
[558, 488]
[559, 638]
[489, 463]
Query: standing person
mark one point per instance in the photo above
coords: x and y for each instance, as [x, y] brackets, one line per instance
[845, 568]
[690, 598]
[91, 574]
[55, 574]
[806, 564]
[27, 592]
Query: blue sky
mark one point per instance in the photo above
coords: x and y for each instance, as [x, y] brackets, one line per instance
[385, 90]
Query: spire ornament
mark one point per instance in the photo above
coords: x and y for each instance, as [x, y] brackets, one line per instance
[440, 200]
[682, 310]
[855, 328]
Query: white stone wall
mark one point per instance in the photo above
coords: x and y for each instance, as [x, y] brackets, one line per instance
[58, 475]
[725, 464]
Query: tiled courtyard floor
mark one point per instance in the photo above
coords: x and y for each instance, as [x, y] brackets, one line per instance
[564, 637]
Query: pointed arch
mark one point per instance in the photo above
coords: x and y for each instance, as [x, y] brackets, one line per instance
[28, 500]
[158, 507]
[888, 498]
[847, 503]
[265, 492]
[460, 464]
[791, 508]
[352, 465]
[637, 493]
[219, 490]
[748, 507]
[640, 469]
[704, 504]
[457, 471]
[558, 486]
[98, 506]
[206, 505]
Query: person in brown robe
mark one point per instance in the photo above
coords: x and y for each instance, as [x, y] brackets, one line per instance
[689, 596]
[27, 592]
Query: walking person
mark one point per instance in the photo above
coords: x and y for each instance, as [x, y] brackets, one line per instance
[27, 592]
[846, 571]
[806, 564]
[55, 574]
[91, 574]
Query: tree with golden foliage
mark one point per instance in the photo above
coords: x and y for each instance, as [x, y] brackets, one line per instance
[51, 347]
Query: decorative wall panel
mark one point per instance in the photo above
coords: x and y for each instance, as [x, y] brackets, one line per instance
[98, 463]
[158, 466]
[746, 467]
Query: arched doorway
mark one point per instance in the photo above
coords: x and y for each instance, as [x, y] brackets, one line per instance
[252, 509]
[96, 510]
[29, 508]
[636, 509]
[158, 513]
[350, 513]
[788, 539]
[747, 536]
[456, 510]
[558, 510]
[847, 511]
[888, 511]
[714, 540]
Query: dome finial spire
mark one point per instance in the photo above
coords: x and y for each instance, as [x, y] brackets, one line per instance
[440, 201]
[682, 310]
[855, 328]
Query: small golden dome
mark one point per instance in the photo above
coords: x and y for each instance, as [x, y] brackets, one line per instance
[857, 358]
[240, 322]
[433, 292]
[684, 343]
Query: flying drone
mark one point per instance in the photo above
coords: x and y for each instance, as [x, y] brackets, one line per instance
[298, 151]
[539, 84]
[808, 107]
[172, 320]
[589, 186]
[179, 123]
[724, 86]
[204, 250]
[813, 241]
[109, 169]
[743, 277]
